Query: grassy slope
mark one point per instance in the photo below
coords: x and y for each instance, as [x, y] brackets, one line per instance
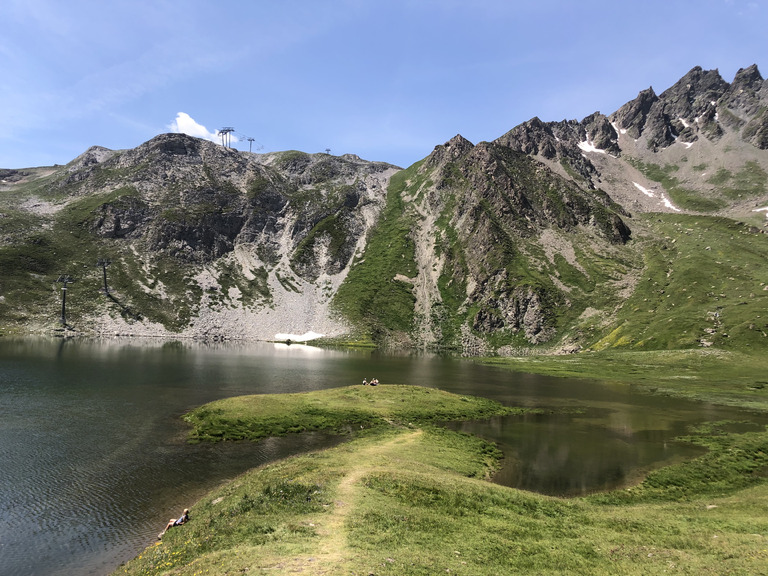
[42, 248]
[704, 281]
[406, 500]
[371, 298]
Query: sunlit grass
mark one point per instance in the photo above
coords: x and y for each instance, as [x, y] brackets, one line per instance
[406, 500]
[337, 410]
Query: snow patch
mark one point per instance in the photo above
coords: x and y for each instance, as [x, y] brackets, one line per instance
[764, 209]
[588, 146]
[664, 199]
[669, 204]
[683, 122]
[644, 190]
[306, 337]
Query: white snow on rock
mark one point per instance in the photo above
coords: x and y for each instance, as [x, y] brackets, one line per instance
[764, 209]
[306, 337]
[618, 130]
[664, 200]
[644, 190]
[588, 146]
[669, 204]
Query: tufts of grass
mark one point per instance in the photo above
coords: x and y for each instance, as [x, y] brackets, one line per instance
[749, 181]
[682, 197]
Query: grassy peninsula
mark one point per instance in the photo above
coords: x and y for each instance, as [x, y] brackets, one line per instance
[406, 497]
[335, 410]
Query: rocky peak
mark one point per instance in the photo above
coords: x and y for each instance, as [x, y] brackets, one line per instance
[743, 95]
[694, 95]
[531, 137]
[601, 133]
[455, 148]
[559, 141]
[631, 117]
[94, 155]
[747, 79]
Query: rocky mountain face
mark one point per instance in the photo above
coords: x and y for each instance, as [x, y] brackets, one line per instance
[698, 146]
[494, 214]
[206, 241]
[533, 240]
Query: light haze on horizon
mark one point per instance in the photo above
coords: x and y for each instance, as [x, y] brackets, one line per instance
[384, 80]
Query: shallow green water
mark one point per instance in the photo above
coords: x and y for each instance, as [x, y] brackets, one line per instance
[93, 458]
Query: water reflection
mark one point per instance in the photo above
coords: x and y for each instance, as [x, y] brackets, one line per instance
[569, 455]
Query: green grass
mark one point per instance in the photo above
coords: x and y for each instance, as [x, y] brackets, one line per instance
[412, 500]
[728, 378]
[703, 283]
[749, 181]
[338, 409]
[251, 292]
[371, 297]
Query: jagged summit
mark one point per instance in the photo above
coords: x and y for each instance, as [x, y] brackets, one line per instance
[698, 126]
[692, 108]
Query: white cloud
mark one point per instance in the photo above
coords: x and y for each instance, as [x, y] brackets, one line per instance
[185, 124]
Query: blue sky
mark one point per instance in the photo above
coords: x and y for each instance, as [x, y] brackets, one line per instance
[387, 80]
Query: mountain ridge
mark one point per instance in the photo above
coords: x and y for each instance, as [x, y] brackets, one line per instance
[531, 241]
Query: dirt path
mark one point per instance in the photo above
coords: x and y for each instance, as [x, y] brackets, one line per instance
[332, 546]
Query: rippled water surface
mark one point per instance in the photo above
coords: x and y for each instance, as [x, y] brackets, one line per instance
[93, 458]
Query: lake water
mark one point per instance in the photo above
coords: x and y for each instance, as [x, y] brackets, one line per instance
[93, 458]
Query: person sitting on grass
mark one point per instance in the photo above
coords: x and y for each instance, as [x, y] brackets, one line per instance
[176, 522]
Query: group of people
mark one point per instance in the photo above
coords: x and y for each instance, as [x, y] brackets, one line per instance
[373, 382]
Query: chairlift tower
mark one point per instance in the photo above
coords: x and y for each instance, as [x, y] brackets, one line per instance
[226, 139]
[104, 262]
[64, 279]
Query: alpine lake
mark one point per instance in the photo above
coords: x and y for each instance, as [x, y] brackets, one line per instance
[94, 456]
